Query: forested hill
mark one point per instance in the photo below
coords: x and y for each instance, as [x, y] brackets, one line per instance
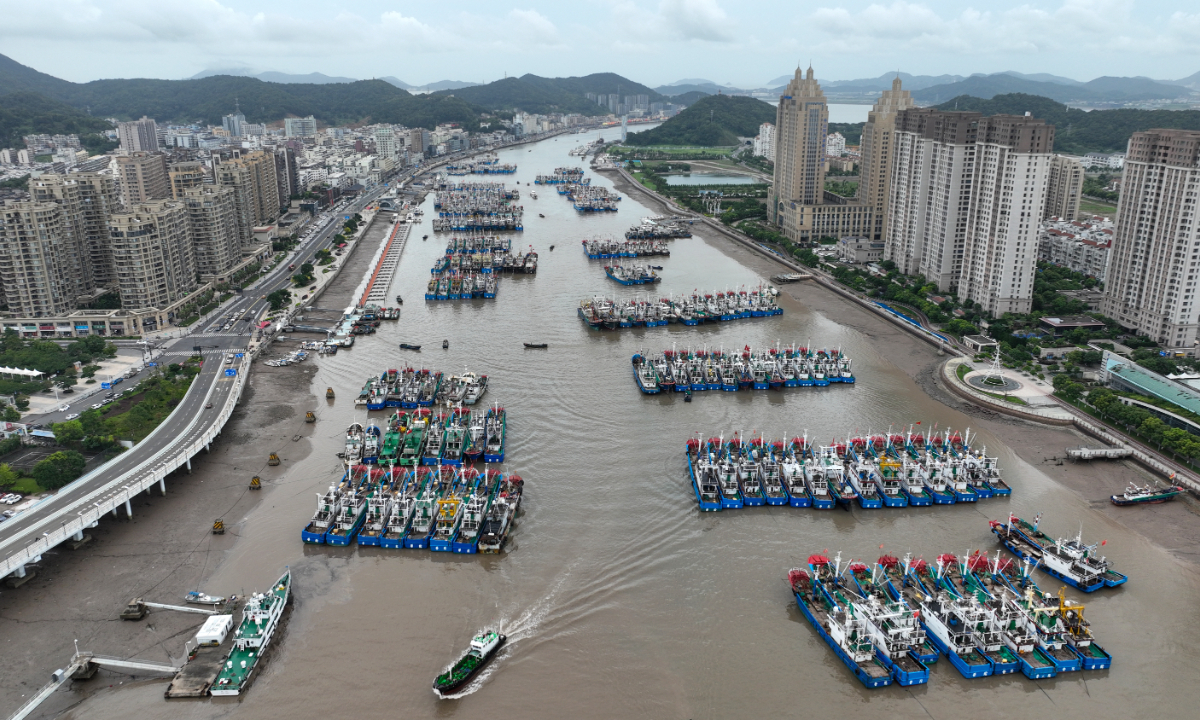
[207, 99]
[717, 120]
[24, 113]
[535, 94]
[1078, 132]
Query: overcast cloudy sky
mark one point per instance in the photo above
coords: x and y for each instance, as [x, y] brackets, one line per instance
[743, 42]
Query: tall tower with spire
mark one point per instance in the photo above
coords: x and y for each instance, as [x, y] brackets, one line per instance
[801, 124]
[877, 145]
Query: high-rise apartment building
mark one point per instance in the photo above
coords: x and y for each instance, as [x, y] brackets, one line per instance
[387, 145]
[876, 148]
[265, 186]
[235, 124]
[186, 175]
[300, 127]
[1012, 165]
[213, 228]
[963, 188]
[86, 200]
[929, 193]
[1064, 188]
[138, 135]
[1151, 281]
[152, 254]
[143, 177]
[35, 244]
[237, 177]
[287, 174]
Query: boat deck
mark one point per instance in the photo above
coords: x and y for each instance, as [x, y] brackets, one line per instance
[194, 679]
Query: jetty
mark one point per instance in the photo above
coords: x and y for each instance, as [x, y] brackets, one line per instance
[387, 260]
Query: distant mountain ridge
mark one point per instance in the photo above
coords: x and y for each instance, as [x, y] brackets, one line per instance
[316, 78]
[536, 94]
[1100, 90]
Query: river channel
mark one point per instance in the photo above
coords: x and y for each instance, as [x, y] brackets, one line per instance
[619, 598]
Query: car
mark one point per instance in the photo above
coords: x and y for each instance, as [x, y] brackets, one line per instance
[62, 408]
[118, 381]
[67, 390]
[110, 395]
[207, 405]
[73, 416]
[228, 359]
[97, 406]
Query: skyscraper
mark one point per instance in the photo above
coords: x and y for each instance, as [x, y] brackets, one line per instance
[237, 177]
[35, 245]
[138, 135]
[1150, 284]
[1064, 188]
[801, 123]
[235, 123]
[143, 177]
[877, 143]
[287, 174]
[300, 127]
[213, 228]
[86, 200]
[152, 254]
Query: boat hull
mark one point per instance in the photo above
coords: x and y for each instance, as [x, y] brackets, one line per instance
[864, 678]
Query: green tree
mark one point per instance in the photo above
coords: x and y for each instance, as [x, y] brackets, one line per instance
[69, 433]
[8, 476]
[58, 469]
[279, 299]
[92, 422]
[11, 414]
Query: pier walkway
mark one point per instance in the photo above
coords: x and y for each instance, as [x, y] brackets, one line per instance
[386, 263]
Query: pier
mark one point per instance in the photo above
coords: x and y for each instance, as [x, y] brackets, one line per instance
[380, 280]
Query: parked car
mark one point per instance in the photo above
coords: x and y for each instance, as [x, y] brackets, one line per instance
[110, 395]
[97, 406]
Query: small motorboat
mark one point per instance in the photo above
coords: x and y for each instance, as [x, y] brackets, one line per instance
[399, 300]
[424, 237]
[541, 215]
[198, 598]
[409, 346]
[536, 346]
[445, 344]
[551, 247]
[656, 267]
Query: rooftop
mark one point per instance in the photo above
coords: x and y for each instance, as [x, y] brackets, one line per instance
[1151, 383]
[1072, 321]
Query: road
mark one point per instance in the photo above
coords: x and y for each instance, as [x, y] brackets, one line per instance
[28, 527]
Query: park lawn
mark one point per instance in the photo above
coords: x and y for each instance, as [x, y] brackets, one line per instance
[26, 486]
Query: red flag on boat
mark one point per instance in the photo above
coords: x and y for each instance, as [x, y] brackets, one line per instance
[1103, 542]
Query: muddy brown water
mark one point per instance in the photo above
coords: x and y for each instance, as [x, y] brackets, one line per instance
[618, 597]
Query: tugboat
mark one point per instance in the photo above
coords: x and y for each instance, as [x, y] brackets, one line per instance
[1148, 495]
[260, 618]
[483, 648]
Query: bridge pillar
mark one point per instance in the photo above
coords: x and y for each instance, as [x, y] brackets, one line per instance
[78, 535]
[162, 481]
[115, 510]
[19, 572]
[189, 464]
[128, 509]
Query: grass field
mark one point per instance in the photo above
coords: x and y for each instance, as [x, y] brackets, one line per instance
[1094, 208]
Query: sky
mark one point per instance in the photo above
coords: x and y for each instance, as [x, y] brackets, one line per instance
[745, 43]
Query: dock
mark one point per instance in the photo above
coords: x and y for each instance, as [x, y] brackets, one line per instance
[1101, 453]
[195, 678]
[380, 280]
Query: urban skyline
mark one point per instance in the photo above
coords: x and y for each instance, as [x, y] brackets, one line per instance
[676, 39]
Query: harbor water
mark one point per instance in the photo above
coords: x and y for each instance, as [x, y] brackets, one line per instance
[620, 599]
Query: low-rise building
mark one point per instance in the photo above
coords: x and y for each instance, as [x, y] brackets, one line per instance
[1078, 245]
[859, 250]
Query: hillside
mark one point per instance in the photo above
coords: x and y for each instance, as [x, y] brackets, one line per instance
[1077, 131]
[1100, 90]
[536, 94]
[24, 113]
[717, 120]
[207, 99]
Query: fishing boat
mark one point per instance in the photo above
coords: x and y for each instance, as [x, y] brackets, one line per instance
[501, 516]
[495, 427]
[476, 387]
[328, 506]
[1146, 495]
[483, 648]
[646, 375]
[703, 474]
[479, 501]
[409, 346]
[450, 509]
[844, 632]
[434, 438]
[425, 509]
[353, 509]
[353, 448]
[536, 346]
[894, 630]
[371, 443]
[949, 622]
[379, 510]
[260, 619]
[1069, 560]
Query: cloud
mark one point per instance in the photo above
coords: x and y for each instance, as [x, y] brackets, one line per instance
[1074, 26]
[701, 20]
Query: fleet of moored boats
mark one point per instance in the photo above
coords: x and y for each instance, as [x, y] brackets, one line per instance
[695, 370]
